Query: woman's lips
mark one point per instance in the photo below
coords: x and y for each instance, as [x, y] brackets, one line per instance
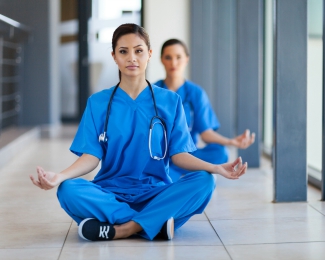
[132, 67]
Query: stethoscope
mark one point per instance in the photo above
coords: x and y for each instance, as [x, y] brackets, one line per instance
[103, 136]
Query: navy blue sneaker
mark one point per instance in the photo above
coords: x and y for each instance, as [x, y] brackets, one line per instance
[93, 230]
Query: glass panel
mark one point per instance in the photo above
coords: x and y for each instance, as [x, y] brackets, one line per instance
[113, 9]
[268, 78]
[314, 84]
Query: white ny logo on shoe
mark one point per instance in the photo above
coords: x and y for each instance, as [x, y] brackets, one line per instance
[103, 231]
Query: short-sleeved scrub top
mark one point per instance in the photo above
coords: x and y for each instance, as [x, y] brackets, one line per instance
[199, 113]
[126, 165]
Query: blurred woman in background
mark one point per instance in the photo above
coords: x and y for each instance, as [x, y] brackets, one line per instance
[201, 119]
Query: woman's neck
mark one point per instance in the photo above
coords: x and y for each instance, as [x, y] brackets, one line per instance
[133, 86]
[174, 83]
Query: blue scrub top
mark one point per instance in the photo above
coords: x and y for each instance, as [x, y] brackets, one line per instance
[127, 167]
[199, 113]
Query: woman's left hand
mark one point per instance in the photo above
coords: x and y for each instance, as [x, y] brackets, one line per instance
[244, 140]
[232, 170]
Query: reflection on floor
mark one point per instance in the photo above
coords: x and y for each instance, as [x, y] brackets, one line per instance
[240, 222]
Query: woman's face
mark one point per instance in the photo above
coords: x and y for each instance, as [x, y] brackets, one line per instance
[131, 55]
[174, 60]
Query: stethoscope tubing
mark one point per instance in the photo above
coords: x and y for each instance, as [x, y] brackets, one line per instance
[103, 136]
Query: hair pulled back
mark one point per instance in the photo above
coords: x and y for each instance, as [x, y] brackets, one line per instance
[128, 28]
[173, 42]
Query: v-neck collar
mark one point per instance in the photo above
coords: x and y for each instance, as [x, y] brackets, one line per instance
[180, 90]
[143, 95]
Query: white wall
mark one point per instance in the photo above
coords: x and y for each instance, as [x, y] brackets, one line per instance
[165, 19]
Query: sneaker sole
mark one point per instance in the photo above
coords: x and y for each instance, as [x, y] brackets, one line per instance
[80, 228]
[170, 228]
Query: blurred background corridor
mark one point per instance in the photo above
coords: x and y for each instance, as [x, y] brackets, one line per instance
[261, 63]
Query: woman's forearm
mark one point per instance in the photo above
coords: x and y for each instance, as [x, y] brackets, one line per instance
[191, 163]
[210, 136]
[83, 165]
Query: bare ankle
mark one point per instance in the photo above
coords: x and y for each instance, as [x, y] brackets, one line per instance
[127, 229]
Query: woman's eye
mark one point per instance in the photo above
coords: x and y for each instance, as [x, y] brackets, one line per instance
[167, 58]
[122, 51]
[138, 51]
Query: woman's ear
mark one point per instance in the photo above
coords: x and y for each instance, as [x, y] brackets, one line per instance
[113, 55]
[187, 60]
[150, 54]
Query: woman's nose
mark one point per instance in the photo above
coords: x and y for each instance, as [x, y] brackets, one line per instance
[132, 57]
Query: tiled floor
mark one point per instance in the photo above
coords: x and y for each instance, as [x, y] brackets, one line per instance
[240, 222]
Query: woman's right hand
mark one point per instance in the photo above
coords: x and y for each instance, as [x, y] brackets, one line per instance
[47, 180]
[244, 140]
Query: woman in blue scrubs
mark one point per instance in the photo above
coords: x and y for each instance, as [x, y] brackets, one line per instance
[200, 117]
[133, 193]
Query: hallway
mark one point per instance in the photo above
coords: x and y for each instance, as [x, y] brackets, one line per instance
[240, 222]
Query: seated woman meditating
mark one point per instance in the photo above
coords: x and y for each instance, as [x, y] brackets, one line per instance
[134, 129]
[200, 117]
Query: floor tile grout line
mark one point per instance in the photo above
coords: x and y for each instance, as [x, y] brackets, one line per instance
[218, 236]
[183, 245]
[316, 209]
[65, 239]
[145, 246]
[277, 243]
[295, 217]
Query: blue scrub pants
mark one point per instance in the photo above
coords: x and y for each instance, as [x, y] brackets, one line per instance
[212, 153]
[181, 200]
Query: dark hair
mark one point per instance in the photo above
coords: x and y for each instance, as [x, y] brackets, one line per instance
[173, 42]
[129, 28]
